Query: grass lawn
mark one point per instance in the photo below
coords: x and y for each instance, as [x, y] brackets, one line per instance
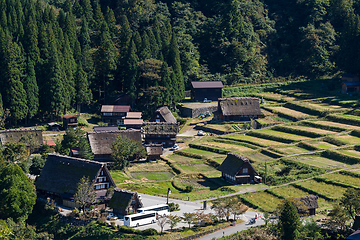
[337, 177]
[321, 144]
[150, 166]
[348, 139]
[329, 190]
[119, 177]
[291, 149]
[153, 176]
[317, 161]
[283, 135]
[197, 168]
[353, 153]
[250, 139]
[290, 112]
[311, 129]
[231, 147]
[329, 123]
[266, 201]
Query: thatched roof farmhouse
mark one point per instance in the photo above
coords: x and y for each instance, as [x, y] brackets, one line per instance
[160, 133]
[239, 108]
[124, 202]
[163, 114]
[30, 137]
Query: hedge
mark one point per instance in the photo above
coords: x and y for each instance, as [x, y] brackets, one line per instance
[340, 157]
[297, 131]
[318, 179]
[270, 137]
[307, 146]
[343, 119]
[245, 144]
[305, 109]
[334, 141]
[352, 174]
[274, 193]
[271, 154]
[210, 149]
[244, 141]
[312, 192]
[355, 133]
[322, 126]
[188, 154]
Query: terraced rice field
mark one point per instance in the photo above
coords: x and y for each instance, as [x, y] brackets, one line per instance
[317, 161]
[328, 190]
[251, 139]
[290, 112]
[232, 147]
[324, 106]
[348, 139]
[321, 144]
[353, 153]
[337, 177]
[256, 156]
[150, 166]
[291, 149]
[266, 201]
[311, 129]
[182, 159]
[197, 168]
[335, 124]
[278, 96]
[204, 153]
[283, 135]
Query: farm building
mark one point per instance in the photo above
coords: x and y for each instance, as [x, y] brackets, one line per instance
[350, 83]
[210, 90]
[61, 174]
[113, 114]
[241, 108]
[101, 142]
[310, 204]
[160, 133]
[53, 126]
[124, 202]
[163, 114]
[237, 169]
[132, 120]
[32, 138]
[69, 121]
[154, 151]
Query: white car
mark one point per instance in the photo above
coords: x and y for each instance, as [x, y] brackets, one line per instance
[175, 147]
[111, 216]
[201, 133]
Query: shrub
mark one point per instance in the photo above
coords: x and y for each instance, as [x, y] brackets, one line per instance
[149, 232]
[82, 122]
[102, 124]
[174, 207]
[189, 188]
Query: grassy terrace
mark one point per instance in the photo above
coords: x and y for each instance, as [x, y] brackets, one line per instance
[312, 129]
[253, 140]
[328, 190]
[318, 161]
[279, 134]
[256, 156]
[291, 149]
[336, 124]
[350, 152]
[290, 112]
[266, 201]
[345, 179]
[322, 144]
[348, 139]
[231, 147]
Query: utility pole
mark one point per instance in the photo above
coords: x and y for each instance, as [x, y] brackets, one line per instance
[265, 172]
[167, 198]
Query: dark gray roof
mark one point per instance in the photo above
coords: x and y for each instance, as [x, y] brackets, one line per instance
[166, 114]
[240, 106]
[351, 83]
[101, 129]
[61, 174]
[310, 202]
[355, 235]
[207, 84]
[162, 128]
[121, 199]
[20, 135]
[101, 142]
[233, 163]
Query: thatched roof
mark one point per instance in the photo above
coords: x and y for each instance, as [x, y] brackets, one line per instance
[154, 149]
[22, 135]
[166, 114]
[114, 108]
[101, 142]
[121, 199]
[241, 106]
[207, 84]
[162, 128]
[61, 174]
[110, 128]
[310, 202]
[233, 163]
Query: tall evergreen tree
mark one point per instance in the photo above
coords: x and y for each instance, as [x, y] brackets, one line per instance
[174, 62]
[131, 72]
[111, 21]
[145, 51]
[165, 82]
[83, 92]
[233, 23]
[31, 41]
[69, 69]
[32, 90]
[87, 12]
[77, 9]
[153, 45]
[289, 221]
[98, 15]
[125, 35]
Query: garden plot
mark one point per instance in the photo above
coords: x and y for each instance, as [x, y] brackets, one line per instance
[264, 200]
[318, 161]
[311, 129]
[197, 168]
[322, 144]
[328, 190]
[256, 156]
[152, 176]
[291, 149]
[254, 140]
[155, 166]
[348, 139]
[120, 177]
[289, 112]
[335, 124]
[284, 135]
[350, 152]
[345, 179]
[231, 147]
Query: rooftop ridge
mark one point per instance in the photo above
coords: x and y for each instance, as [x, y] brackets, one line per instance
[238, 98]
[76, 159]
[244, 159]
[21, 130]
[160, 123]
[114, 131]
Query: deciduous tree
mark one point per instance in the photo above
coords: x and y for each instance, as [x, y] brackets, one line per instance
[85, 192]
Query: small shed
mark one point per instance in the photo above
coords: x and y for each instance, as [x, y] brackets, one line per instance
[310, 203]
[350, 83]
[154, 151]
[124, 202]
[239, 108]
[53, 126]
[210, 90]
[237, 169]
[163, 114]
[69, 121]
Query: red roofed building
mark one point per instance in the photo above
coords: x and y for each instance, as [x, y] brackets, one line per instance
[50, 143]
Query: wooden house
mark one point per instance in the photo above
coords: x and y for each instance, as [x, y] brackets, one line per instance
[132, 120]
[350, 83]
[210, 90]
[113, 114]
[53, 126]
[101, 142]
[239, 108]
[154, 151]
[237, 169]
[308, 205]
[125, 202]
[69, 121]
[61, 174]
[32, 138]
[163, 114]
[160, 133]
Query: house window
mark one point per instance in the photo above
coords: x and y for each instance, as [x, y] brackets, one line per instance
[100, 179]
[245, 170]
[107, 114]
[157, 116]
[157, 120]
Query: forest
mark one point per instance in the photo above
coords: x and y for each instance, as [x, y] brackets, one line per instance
[58, 56]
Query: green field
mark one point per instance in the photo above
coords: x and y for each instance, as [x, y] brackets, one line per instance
[254, 140]
[312, 129]
[291, 149]
[322, 144]
[204, 153]
[197, 168]
[290, 112]
[328, 190]
[256, 156]
[353, 153]
[231, 147]
[335, 124]
[154, 176]
[349, 180]
[348, 139]
[290, 136]
[317, 161]
[183, 159]
[266, 201]
[119, 177]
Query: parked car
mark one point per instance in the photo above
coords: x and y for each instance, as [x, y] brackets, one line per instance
[201, 133]
[175, 147]
[206, 100]
[111, 216]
